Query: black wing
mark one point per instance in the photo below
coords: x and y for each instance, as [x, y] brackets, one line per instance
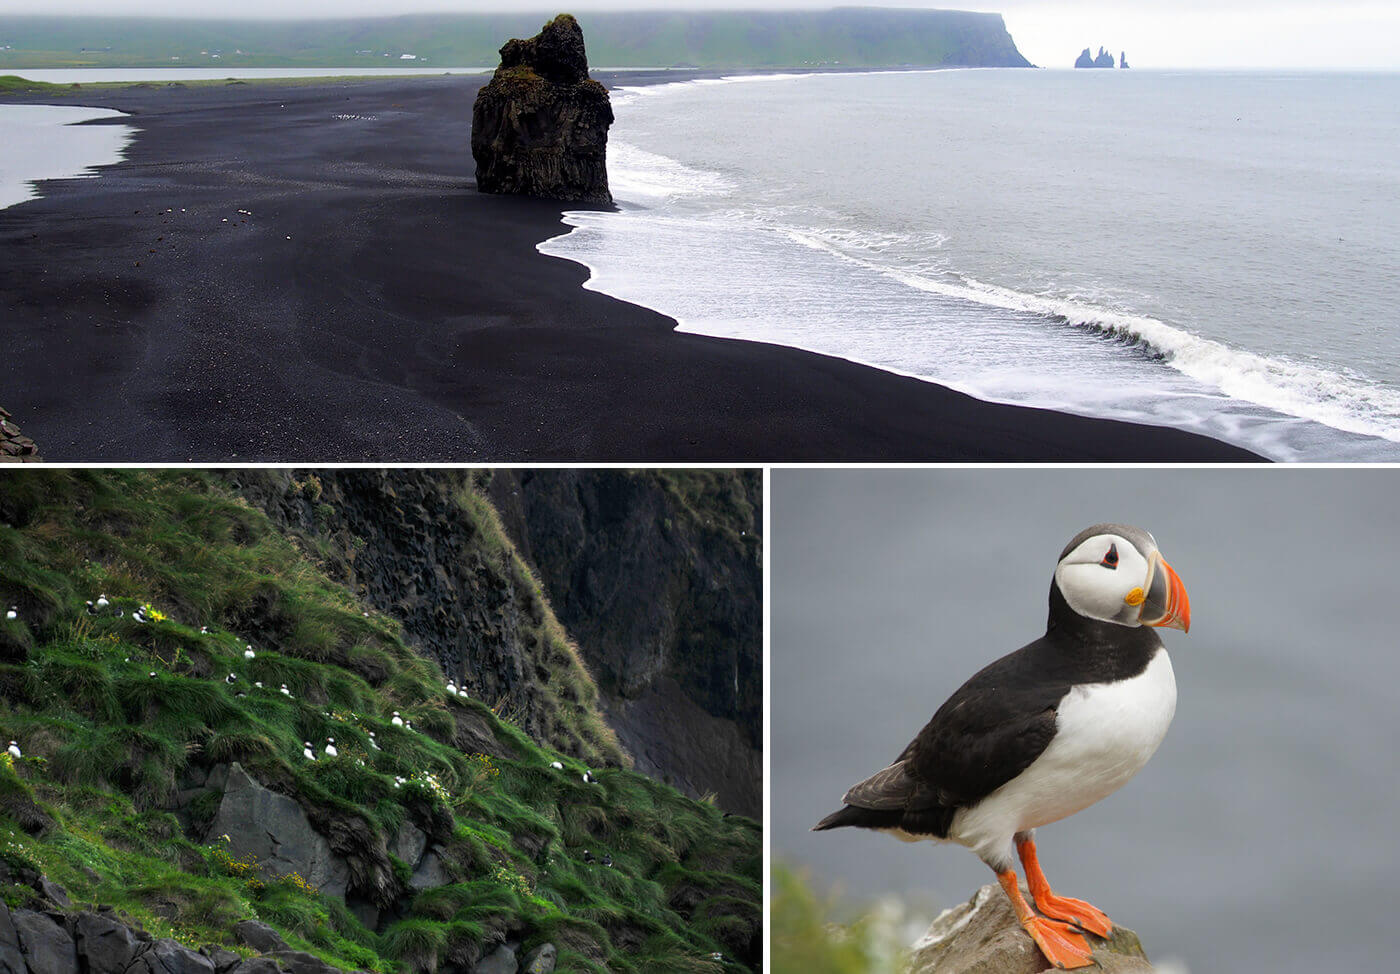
[987, 733]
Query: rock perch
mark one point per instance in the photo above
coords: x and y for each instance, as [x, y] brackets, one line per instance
[983, 936]
[540, 127]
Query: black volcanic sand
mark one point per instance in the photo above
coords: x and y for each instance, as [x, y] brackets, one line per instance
[376, 307]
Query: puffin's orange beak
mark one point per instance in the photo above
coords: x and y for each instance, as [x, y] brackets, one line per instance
[1166, 603]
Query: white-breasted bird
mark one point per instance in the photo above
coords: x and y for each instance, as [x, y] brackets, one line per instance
[587, 777]
[13, 613]
[397, 721]
[557, 765]
[285, 692]
[230, 679]
[307, 753]
[13, 750]
[373, 743]
[248, 653]
[102, 602]
[1044, 732]
[330, 747]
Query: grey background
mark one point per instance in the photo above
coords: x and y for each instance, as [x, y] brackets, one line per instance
[1260, 837]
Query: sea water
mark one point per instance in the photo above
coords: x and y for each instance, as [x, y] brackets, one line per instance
[1214, 251]
[40, 142]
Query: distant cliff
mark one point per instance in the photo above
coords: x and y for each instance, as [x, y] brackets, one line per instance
[844, 37]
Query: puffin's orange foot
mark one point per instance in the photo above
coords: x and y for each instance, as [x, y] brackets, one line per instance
[1075, 912]
[1062, 945]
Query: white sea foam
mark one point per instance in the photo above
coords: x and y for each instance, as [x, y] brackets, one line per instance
[1348, 403]
[1214, 337]
[634, 173]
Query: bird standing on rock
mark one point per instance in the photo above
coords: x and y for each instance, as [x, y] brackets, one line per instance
[1044, 732]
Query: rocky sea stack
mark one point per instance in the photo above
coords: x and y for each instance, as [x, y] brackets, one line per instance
[540, 128]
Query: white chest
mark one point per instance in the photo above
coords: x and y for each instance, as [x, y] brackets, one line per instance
[1105, 732]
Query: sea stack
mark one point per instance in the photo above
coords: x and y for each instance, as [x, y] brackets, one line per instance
[540, 127]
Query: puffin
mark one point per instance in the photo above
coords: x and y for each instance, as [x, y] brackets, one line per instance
[248, 652]
[12, 613]
[307, 753]
[1044, 732]
[587, 777]
[397, 721]
[557, 765]
[102, 602]
[330, 747]
[13, 750]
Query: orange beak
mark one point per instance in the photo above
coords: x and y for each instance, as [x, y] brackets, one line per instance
[1166, 603]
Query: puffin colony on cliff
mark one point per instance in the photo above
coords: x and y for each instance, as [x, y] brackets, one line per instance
[1044, 732]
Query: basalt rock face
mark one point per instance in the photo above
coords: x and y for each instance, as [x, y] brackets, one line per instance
[982, 936]
[540, 127]
[658, 576]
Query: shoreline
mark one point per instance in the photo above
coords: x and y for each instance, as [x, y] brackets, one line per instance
[371, 305]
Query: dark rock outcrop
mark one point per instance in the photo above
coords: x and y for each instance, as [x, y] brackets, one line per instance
[540, 127]
[663, 593]
[1122, 59]
[273, 829]
[982, 936]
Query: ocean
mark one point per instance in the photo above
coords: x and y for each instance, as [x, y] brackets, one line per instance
[1214, 251]
[45, 142]
[1260, 837]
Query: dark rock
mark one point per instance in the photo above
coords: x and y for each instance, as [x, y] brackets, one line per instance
[983, 936]
[55, 893]
[11, 957]
[541, 960]
[300, 962]
[104, 945]
[430, 873]
[259, 936]
[168, 957]
[409, 843]
[1122, 59]
[540, 127]
[47, 947]
[223, 960]
[256, 965]
[500, 961]
[275, 830]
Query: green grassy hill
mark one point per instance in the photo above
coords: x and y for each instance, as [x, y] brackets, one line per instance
[849, 37]
[125, 724]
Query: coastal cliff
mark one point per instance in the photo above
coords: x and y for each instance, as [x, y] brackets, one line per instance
[540, 127]
[229, 759]
[658, 576]
[982, 936]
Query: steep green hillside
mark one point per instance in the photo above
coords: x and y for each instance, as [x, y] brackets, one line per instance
[848, 36]
[447, 839]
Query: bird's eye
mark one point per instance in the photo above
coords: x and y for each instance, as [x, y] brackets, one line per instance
[1110, 560]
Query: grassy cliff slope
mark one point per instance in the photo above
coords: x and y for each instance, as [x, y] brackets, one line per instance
[125, 724]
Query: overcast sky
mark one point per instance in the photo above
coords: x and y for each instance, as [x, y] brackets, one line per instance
[1155, 33]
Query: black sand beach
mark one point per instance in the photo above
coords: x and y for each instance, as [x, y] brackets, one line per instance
[375, 307]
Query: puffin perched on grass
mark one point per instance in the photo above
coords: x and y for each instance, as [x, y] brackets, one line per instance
[1044, 732]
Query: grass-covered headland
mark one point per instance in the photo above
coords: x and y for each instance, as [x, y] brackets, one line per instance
[222, 643]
